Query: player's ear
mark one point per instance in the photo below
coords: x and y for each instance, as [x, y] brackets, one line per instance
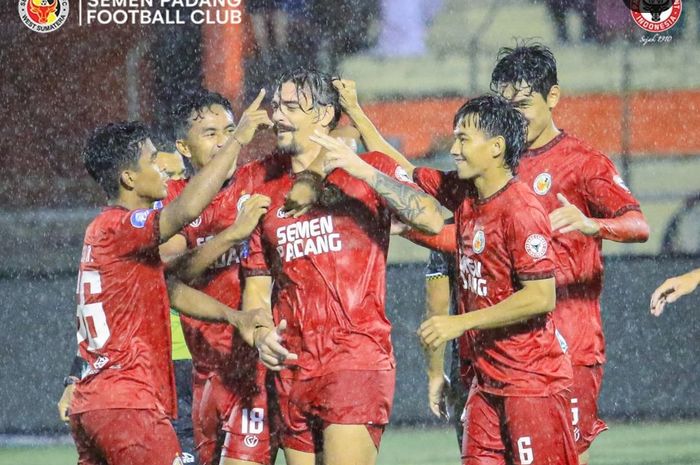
[553, 97]
[498, 146]
[126, 180]
[326, 115]
[183, 148]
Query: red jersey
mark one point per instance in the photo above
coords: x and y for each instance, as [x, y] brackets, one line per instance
[502, 241]
[124, 316]
[589, 180]
[216, 346]
[329, 271]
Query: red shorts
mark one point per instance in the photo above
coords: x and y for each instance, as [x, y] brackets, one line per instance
[252, 427]
[343, 397]
[584, 405]
[125, 436]
[518, 430]
[200, 441]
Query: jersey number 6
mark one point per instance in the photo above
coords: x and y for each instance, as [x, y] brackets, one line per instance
[92, 322]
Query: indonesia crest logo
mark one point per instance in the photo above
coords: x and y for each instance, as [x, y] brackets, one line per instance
[479, 241]
[542, 184]
[43, 15]
[655, 15]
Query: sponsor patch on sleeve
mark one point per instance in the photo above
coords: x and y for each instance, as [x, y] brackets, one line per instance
[139, 217]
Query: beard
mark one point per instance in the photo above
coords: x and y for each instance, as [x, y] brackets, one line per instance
[290, 148]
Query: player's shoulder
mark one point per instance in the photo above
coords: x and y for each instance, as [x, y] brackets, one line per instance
[378, 160]
[585, 154]
[111, 218]
[520, 197]
[266, 169]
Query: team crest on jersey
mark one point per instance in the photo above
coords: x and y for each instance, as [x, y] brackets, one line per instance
[536, 246]
[251, 441]
[401, 174]
[139, 217]
[479, 241]
[620, 182]
[542, 184]
[244, 198]
[196, 223]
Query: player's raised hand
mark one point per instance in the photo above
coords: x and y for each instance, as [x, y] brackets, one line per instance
[64, 402]
[272, 353]
[339, 155]
[673, 289]
[249, 215]
[437, 394]
[569, 218]
[348, 94]
[437, 330]
[251, 119]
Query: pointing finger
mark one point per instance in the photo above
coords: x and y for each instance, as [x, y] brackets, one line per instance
[258, 100]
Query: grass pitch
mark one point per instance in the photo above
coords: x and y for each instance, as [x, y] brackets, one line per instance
[625, 444]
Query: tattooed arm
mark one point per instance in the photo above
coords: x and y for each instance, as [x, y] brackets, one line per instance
[413, 207]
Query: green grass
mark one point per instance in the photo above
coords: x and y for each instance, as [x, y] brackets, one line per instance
[625, 444]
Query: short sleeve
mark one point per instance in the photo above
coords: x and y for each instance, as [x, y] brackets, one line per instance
[137, 231]
[606, 192]
[530, 243]
[446, 187]
[253, 259]
[438, 265]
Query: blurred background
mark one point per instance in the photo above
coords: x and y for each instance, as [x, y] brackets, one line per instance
[415, 62]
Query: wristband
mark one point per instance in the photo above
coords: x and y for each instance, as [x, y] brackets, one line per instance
[233, 136]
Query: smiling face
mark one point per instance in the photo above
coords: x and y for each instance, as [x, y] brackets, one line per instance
[296, 118]
[209, 130]
[473, 151]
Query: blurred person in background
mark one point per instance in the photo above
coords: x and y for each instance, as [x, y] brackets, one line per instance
[558, 9]
[404, 26]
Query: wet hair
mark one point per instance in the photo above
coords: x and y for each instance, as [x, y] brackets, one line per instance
[533, 63]
[496, 116]
[320, 86]
[163, 140]
[111, 149]
[195, 102]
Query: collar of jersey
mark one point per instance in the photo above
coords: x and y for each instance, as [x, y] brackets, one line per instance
[545, 147]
